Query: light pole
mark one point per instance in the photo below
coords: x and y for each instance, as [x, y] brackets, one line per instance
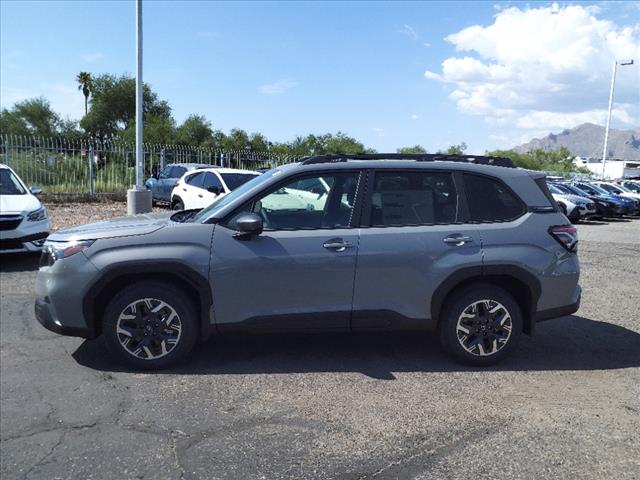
[622, 63]
[138, 197]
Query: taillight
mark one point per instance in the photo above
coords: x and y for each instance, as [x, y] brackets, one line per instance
[565, 235]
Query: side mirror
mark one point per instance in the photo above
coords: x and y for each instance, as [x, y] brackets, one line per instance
[248, 225]
[35, 190]
[215, 190]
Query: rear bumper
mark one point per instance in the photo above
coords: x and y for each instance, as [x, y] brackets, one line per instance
[561, 311]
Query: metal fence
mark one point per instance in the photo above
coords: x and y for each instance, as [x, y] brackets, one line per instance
[86, 166]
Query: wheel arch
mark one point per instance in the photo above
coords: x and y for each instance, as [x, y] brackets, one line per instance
[522, 285]
[116, 278]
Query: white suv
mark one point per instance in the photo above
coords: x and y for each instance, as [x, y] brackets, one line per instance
[24, 225]
[199, 188]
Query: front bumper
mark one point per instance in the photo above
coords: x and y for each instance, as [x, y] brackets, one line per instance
[60, 290]
[28, 243]
[22, 235]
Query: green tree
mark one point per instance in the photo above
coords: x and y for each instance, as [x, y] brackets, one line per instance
[414, 149]
[32, 117]
[560, 160]
[84, 84]
[195, 131]
[459, 149]
[113, 102]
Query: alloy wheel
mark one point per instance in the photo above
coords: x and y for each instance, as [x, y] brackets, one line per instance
[148, 328]
[484, 327]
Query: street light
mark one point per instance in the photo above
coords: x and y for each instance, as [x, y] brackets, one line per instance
[138, 197]
[622, 63]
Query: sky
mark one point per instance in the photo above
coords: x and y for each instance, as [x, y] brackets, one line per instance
[391, 74]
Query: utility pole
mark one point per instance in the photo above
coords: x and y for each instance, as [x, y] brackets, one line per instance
[606, 131]
[138, 197]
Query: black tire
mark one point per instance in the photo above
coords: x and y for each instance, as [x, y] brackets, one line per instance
[177, 204]
[458, 304]
[186, 325]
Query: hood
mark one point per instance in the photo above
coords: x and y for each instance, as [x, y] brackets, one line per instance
[18, 203]
[142, 224]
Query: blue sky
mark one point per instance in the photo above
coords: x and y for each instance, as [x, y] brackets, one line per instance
[390, 74]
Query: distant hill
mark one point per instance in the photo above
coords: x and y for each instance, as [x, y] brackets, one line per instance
[587, 140]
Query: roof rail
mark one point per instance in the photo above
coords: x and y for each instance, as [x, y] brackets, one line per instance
[417, 157]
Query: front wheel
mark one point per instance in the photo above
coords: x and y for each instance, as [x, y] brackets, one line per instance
[480, 325]
[177, 204]
[150, 325]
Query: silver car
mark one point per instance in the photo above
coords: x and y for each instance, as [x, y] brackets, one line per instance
[465, 246]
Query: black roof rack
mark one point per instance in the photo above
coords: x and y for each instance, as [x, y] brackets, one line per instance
[417, 157]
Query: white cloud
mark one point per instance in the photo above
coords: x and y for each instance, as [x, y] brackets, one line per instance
[379, 131]
[279, 87]
[409, 31]
[543, 68]
[426, 44]
[415, 116]
[92, 57]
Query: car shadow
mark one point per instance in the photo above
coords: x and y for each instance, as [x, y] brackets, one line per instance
[591, 222]
[569, 343]
[19, 262]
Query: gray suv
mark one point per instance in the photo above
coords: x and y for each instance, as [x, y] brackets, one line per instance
[467, 246]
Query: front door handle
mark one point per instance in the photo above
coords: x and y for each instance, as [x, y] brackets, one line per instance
[337, 244]
[200, 195]
[457, 239]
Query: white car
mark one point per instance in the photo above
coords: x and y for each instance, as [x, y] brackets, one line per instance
[574, 207]
[199, 188]
[24, 224]
[630, 185]
[614, 189]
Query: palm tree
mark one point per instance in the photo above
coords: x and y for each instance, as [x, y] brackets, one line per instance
[84, 84]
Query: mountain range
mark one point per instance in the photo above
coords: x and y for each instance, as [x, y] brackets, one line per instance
[586, 140]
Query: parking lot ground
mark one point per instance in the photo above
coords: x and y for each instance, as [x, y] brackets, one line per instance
[567, 405]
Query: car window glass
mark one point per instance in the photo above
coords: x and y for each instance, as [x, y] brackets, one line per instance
[413, 198]
[195, 179]
[211, 180]
[165, 172]
[319, 202]
[177, 172]
[490, 201]
[9, 183]
[234, 180]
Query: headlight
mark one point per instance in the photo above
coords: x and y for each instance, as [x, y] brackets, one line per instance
[54, 251]
[37, 215]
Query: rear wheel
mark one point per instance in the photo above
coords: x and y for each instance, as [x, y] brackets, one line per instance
[150, 325]
[480, 325]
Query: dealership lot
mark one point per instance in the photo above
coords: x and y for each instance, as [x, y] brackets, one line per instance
[335, 406]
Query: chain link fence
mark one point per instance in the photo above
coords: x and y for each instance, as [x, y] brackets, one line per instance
[75, 167]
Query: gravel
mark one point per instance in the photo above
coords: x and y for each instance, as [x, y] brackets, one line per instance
[63, 215]
[333, 406]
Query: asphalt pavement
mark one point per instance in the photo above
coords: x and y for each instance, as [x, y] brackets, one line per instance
[382, 406]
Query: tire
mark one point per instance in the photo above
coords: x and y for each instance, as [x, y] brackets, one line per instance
[479, 344]
[177, 204]
[155, 341]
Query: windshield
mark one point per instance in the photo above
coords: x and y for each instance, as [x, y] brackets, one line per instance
[9, 183]
[230, 197]
[554, 189]
[593, 189]
[632, 187]
[234, 180]
[577, 191]
[610, 188]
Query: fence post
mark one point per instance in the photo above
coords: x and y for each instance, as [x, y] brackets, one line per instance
[222, 160]
[6, 149]
[91, 185]
[161, 160]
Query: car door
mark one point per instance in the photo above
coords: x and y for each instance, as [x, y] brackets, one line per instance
[189, 188]
[412, 240]
[211, 189]
[157, 188]
[297, 274]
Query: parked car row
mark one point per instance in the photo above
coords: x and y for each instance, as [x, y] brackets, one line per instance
[188, 186]
[584, 200]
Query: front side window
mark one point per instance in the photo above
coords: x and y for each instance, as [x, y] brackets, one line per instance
[490, 201]
[413, 198]
[9, 183]
[302, 205]
[211, 180]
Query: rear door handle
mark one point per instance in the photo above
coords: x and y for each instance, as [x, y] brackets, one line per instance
[457, 239]
[337, 244]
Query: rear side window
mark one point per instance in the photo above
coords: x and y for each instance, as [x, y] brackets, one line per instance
[195, 179]
[490, 201]
[177, 172]
[401, 198]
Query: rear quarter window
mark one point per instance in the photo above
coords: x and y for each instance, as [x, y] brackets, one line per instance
[490, 200]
